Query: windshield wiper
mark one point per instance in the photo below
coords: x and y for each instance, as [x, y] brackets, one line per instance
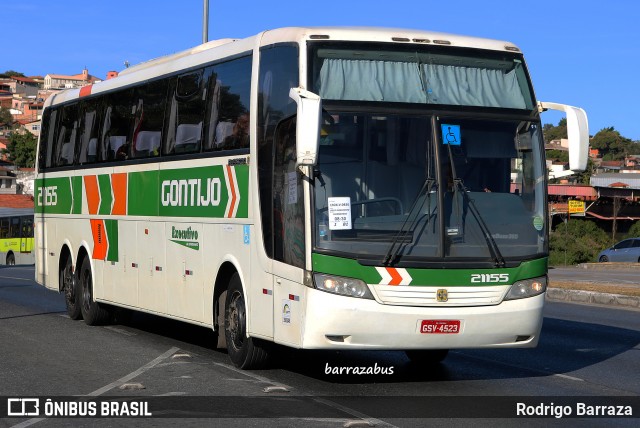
[458, 186]
[392, 253]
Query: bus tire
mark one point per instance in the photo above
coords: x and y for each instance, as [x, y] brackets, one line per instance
[70, 290]
[427, 355]
[11, 259]
[93, 312]
[245, 352]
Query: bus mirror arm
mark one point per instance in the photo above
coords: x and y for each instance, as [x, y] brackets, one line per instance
[308, 126]
[577, 131]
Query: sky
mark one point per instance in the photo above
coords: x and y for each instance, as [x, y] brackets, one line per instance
[584, 53]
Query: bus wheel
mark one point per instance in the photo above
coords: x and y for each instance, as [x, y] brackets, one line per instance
[68, 282]
[11, 259]
[427, 355]
[92, 312]
[245, 352]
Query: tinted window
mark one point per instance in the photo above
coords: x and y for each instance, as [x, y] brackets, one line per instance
[119, 114]
[636, 243]
[228, 96]
[27, 227]
[4, 228]
[278, 74]
[186, 113]
[623, 244]
[14, 227]
[90, 114]
[47, 138]
[148, 119]
[67, 136]
[288, 198]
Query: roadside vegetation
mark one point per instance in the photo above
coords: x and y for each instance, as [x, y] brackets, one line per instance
[580, 241]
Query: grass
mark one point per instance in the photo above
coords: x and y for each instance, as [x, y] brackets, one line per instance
[627, 290]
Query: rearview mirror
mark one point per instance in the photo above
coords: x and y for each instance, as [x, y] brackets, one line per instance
[577, 132]
[308, 125]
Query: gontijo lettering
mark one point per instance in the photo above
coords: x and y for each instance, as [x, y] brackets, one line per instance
[191, 193]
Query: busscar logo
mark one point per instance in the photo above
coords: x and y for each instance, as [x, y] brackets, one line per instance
[23, 407]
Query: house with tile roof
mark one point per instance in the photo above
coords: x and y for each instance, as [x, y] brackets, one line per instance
[61, 81]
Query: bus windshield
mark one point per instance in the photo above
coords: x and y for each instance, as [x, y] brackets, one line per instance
[423, 75]
[434, 186]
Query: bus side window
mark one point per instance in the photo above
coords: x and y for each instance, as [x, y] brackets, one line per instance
[14, 227]
[4, 228]
[47, 138]
[228, 102]
[115, 138]
[89, 131]
[148, 113]
[27, 227]
[185, 114]
[68, 132]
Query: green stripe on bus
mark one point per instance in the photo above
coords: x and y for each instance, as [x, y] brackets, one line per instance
[106, 198]
[142, 193]
[112, 236]
[425, 277]
[76, 188]
[242, 177]
[53, 195]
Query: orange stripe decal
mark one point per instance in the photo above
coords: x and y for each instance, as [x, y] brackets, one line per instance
[396, 278]
[93, 194]
[119, 186]
[100, 242]
[85, 90]
[233, 191]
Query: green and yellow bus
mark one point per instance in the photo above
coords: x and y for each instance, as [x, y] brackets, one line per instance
[16, 238]
[319, 188]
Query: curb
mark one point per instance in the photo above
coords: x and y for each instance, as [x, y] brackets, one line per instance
[609, 266]
[580, 296]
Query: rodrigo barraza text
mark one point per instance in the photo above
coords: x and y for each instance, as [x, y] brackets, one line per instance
[577, 410]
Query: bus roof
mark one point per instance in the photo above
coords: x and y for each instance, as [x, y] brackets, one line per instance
[221, 48]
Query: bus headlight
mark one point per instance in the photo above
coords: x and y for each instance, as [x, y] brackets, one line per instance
[527, 288]
[343, 286]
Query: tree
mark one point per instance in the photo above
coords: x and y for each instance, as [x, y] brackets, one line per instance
[576, 241]
[11, 73]
[634, 230]
[5, 116]
[612, 145]
[551, 132]
[21, 149]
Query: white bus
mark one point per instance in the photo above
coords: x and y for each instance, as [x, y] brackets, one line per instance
[329, 188]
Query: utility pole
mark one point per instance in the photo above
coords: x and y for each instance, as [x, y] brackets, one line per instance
[205, 22]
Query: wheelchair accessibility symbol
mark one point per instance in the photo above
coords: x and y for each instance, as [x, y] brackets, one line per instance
[450, 134]
[246, 234]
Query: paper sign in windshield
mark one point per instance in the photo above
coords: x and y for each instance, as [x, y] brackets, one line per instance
[339, 213]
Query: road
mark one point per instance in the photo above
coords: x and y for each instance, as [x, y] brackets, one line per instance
[584, 351]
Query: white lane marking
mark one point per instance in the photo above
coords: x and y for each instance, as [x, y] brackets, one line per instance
[252, 375]
[328, 403]
[112, 385]
[133, 374]
[18, 279]
[564, 376]
[119, 330]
